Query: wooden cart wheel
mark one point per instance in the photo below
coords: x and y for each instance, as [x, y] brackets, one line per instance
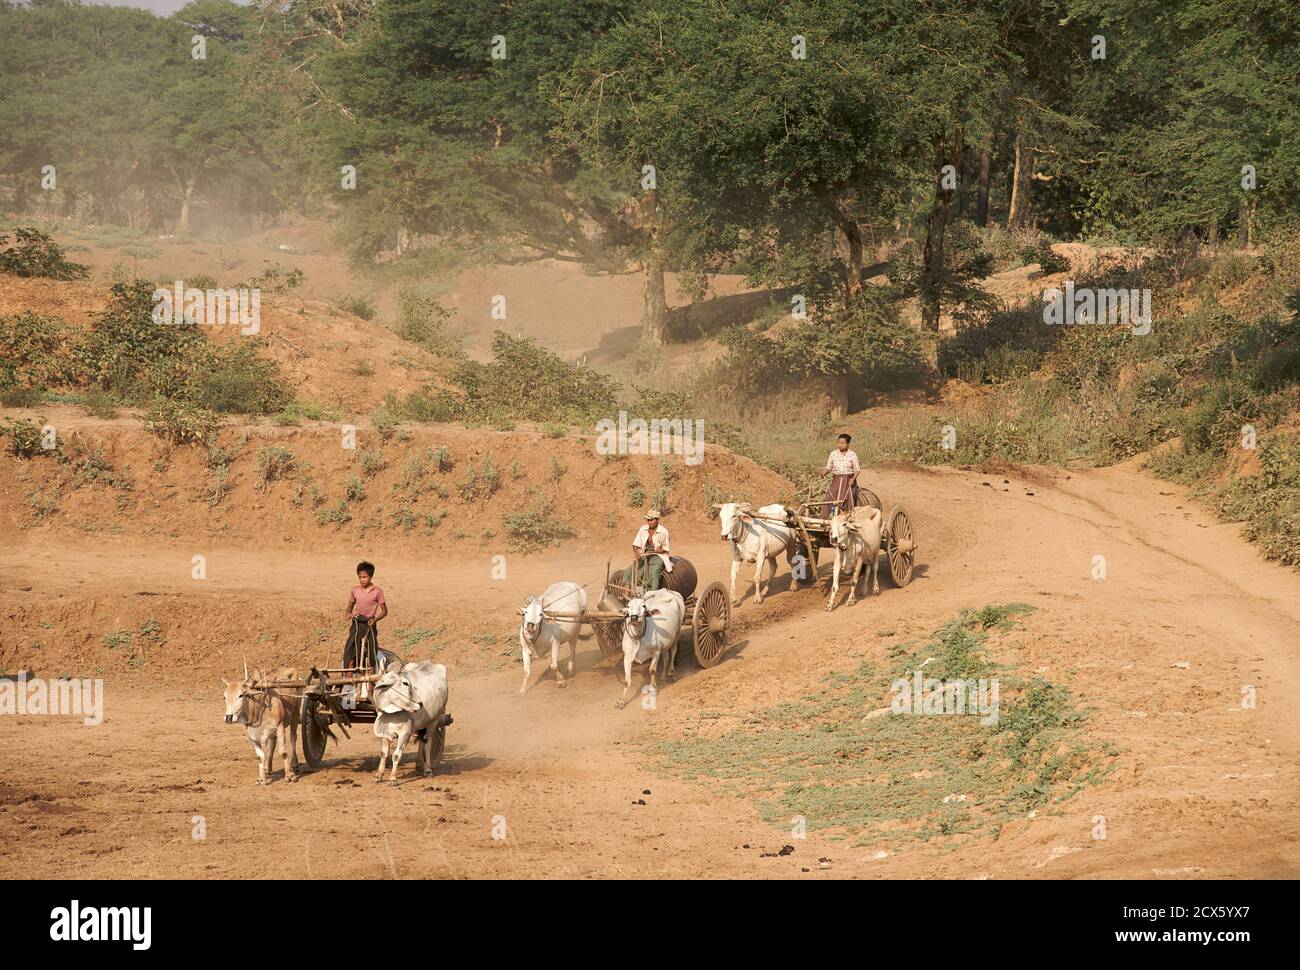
[313, 737]
[609, 636]
[902, 547]
[439, 745]
[870, 498]
[709, 624]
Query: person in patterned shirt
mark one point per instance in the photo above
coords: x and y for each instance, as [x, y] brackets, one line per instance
[844, 468]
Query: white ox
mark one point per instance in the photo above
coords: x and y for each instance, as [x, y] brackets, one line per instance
[650, 632]
[856, 538]
[410, 698]
[538, 631]
[755, 540]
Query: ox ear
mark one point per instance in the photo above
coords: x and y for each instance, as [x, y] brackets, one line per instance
[654, 612]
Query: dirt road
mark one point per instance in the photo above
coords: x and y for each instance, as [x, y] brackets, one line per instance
[1186, 618]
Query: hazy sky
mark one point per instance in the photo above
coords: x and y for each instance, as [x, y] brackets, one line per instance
[162, 7]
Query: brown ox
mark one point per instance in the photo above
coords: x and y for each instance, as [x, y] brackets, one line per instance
[269, 716]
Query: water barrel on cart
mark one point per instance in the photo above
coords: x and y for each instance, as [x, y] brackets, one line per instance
[609, 633]
[681, 580]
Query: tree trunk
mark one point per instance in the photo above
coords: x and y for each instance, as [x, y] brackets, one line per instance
[183, 227]
[963, 194]
[1020, 182]
[849, 246]
[1243, 224]
[654, 316]
[982, 202]
[837, 392]
[932, 270]
[1212, 232]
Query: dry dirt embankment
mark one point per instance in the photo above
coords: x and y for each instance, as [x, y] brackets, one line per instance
[292, 499]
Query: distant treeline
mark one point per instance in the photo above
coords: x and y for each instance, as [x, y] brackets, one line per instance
[784, 139]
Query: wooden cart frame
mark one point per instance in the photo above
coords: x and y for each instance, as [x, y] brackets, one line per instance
[708, 614]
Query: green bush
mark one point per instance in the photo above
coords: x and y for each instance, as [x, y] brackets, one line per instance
[273, 464]
[35, 351]
[865, 340]
[238, 381]
[35, 253]
[480, 484]
[130, 354]
[99, 403]
[535, 528]
[1008, 344]
[24, 436]
[180, 422]
[423, 320]
[1049, 262]
[529, 383]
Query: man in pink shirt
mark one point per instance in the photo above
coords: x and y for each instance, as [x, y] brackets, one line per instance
[366, 607]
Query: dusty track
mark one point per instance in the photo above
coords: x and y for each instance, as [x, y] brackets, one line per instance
[1204, 788]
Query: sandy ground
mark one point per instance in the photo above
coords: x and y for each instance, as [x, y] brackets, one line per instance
[1160, 649]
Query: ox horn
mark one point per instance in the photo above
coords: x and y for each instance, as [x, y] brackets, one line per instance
[245, 668]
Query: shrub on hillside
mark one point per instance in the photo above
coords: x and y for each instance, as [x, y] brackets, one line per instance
[273, 464]
[239, 381]
[1010, 343]
[180, 422]
[424, 321]
[34, 351]
[1049, 262]
[24, 436]
[275, 279]
[535, 528]
[140, 360]
[527, 382]
[34, 253]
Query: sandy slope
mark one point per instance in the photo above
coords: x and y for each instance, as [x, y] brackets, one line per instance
[1204, 788]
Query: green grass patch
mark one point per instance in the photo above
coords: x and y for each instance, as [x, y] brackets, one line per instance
[900, 777]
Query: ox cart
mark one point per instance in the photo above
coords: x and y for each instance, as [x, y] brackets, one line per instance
[339, 697]
[811, 521]
[708, 611]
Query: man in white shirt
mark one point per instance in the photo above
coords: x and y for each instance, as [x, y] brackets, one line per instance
[652, 553]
